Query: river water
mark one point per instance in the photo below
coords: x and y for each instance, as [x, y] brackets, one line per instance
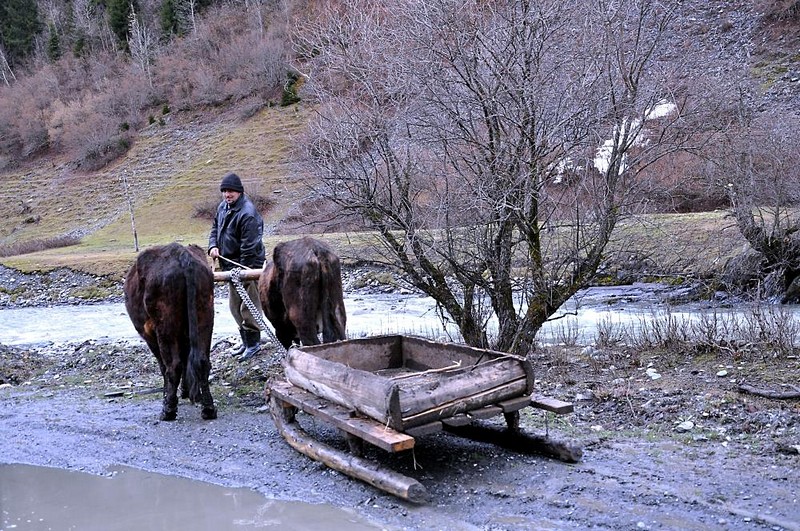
[367, 315]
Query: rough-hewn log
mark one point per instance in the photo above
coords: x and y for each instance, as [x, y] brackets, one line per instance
[367, 429]
[352, 388]
[519, 441]
[769, 393]
[245, 274]
[467, 403]
[386, 480]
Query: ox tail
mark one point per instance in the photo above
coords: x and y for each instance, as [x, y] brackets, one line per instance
[334, 318]
[198, 364]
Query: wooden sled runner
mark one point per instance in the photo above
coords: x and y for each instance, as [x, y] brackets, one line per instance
[387, 390]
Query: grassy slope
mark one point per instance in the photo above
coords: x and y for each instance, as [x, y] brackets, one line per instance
[173, 169]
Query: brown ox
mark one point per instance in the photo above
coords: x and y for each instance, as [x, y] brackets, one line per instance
[169, 295]
[301, 293]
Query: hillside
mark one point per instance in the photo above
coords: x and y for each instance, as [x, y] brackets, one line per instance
[173, 169]
[173, 173]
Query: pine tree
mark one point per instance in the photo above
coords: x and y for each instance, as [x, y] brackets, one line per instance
[19, 25]
[53, 44]
[119, 12]
[170, 24]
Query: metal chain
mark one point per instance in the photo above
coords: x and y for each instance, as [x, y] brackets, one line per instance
[254, 311]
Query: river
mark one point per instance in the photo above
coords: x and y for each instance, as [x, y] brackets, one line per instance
[367, 315]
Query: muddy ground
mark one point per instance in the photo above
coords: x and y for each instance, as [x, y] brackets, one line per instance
[669, 440]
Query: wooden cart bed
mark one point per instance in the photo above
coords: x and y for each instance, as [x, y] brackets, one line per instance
[387, 390]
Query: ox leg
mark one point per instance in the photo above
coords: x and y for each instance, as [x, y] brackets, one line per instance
[169, 410]
[184, 388]
[285, 335]
[307, 332]
[209, 411]
[172, 378]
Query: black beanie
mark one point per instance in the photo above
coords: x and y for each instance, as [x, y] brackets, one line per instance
[231, 182]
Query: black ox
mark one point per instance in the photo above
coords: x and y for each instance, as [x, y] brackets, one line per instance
[169, 295]
[301, 293]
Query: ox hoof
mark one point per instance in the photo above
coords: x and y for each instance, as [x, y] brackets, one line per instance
[169, 415]
[209, 413]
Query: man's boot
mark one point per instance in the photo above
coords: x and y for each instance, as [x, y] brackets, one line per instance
[252, 339]
[241, 348]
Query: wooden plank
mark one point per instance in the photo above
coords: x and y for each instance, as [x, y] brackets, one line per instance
[356, 467]
[551, 404]
[367, 429]
[515, 404]
[371, 354]
[423, 354]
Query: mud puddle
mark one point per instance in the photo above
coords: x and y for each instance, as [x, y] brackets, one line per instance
[42, 498]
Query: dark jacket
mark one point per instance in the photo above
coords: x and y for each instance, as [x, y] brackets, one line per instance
[237, 233]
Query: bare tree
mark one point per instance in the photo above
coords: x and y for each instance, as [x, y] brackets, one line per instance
[448, 125]
[757, 164]
[256, 8]
[126, 186]
[5, 68]
[187, 13]
[90, 23]
[141, 44]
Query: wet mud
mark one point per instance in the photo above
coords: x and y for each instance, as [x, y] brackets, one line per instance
[630, 477]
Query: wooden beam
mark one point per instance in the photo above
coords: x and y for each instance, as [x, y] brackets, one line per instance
[457, 420]
[551, 404]
[485, 412]
[425, 429]
[245, 274]
[515, 404]
[364, 428]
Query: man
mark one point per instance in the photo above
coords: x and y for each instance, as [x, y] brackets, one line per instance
[235, 239]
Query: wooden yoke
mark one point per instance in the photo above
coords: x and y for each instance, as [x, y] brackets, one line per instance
[245, 274]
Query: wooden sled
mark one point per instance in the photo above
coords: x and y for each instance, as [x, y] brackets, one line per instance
[388, 390]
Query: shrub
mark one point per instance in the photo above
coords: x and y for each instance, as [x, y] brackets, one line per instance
[291, 88]
[780, 9]
[38, 245]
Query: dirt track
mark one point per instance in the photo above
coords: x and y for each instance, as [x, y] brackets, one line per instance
[735, 467]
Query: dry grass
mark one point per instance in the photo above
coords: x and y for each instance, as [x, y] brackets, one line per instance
[171, 172]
